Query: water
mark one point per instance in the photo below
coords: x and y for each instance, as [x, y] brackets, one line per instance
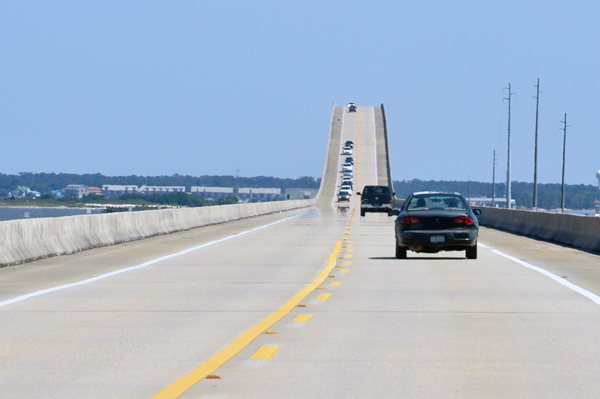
[584, 212]
[12, 213]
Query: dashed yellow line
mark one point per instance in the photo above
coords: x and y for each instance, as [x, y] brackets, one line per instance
[303, 317]
[265, 352]
[324, 297]
[177, 388]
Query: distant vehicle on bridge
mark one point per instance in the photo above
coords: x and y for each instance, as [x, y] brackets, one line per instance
[344, 196]
[376, 199]
[351, 107]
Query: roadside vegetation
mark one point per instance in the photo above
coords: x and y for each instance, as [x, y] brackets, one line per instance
[577, 196]
[46, 182]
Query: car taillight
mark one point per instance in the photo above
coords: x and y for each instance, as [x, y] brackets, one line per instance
[390, 199]
[464, 220]
[362, 200]
[410, 220]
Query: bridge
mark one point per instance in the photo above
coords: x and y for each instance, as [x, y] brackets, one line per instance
[292, 299]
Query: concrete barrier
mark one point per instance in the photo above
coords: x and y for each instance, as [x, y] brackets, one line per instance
[387, 150]
[27, 240]
[574, 230]
[398, 202]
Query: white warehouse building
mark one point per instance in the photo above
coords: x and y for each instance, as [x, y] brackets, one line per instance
[212, 192]
[259, 194]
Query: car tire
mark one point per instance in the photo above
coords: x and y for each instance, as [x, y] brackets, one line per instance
[362, 213]
[471, 252]
[400, 252]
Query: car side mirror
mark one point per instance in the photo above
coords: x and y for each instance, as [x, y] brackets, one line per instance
[477, 212]
[358, 193]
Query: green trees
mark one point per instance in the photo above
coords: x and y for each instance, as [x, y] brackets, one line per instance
[44, 182]
[577, 196]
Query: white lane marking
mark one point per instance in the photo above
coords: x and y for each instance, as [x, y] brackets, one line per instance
[375, 140]
[127, 269]
[337, 179]
[593, 297]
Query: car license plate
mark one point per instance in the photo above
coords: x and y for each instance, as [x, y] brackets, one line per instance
[437, 239]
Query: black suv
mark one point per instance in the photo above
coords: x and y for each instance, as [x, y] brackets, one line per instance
[376, 199]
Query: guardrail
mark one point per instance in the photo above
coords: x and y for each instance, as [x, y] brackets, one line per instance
[574, 230]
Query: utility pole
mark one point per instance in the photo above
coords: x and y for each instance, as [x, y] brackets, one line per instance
[537, 103]
[494, 182]
[562, 201]
[508, 186]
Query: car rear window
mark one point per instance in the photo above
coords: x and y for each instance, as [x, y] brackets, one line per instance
[436, 202]
[376, 190]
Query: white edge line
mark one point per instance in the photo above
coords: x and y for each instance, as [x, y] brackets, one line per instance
[593, 297]
[127, 269]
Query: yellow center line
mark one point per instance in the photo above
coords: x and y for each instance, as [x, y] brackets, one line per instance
[177, 388]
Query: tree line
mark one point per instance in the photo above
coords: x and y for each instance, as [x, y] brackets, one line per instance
[45, 182]
[577, 196]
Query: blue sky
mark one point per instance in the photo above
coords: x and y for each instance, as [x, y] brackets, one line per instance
[207, 88]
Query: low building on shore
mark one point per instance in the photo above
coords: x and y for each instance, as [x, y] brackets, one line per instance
[259, 194]
[300, 193]
[213, 193]
[76, 191]
[161, 189]
[116, 190]
[95, 190]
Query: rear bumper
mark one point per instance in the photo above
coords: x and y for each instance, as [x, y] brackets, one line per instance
[376, 208]
[422, 241]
